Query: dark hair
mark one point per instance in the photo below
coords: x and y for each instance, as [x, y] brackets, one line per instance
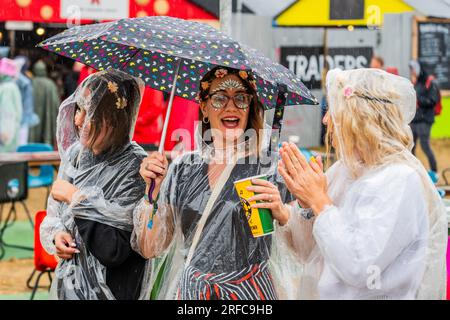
[256, 114]
[106, 114]
[423, 76]
[379, 59]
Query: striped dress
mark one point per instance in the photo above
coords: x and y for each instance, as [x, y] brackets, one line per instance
[252, 283]
[228, 262]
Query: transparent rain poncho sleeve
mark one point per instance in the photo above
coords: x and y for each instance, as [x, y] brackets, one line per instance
[385, 235]
[228, 262]
[109, 188]
[296, 249]
[10, 115]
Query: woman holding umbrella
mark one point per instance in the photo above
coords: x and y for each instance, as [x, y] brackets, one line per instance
[215, 257]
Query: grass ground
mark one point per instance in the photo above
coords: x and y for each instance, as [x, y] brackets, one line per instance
[441, 129]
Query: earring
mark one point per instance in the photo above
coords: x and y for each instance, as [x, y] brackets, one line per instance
[205, 120]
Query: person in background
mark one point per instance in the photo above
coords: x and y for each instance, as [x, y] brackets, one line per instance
[181, 128]
[392, 70]
[29, 118]
[10, 106]
[427, 97]
[56, 72]
[85, 71]
[4, 51]
[377, 62]
[71, 79]
[149, 123]
[323, 103]
[46, 103]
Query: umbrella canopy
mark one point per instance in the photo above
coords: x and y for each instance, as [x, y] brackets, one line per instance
[155, 48]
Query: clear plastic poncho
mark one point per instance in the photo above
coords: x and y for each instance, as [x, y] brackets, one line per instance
[223, 261]
[385, 236]
[108, 181]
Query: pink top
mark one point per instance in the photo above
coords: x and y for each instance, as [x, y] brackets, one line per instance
[8, 67]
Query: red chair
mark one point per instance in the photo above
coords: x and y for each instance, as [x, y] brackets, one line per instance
[43, 262]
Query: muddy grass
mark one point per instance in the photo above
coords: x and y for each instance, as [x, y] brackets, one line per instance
[14, 274]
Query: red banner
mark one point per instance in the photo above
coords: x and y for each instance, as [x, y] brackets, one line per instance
[48, 11]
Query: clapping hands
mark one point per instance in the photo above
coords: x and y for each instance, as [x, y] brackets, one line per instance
[304, 179]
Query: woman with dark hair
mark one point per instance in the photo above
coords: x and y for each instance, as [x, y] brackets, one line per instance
[90, 219]
[427, 98]
[198, 225]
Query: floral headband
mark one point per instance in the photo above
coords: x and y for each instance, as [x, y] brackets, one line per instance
[220, 73]
[121, 103]
[349, 92]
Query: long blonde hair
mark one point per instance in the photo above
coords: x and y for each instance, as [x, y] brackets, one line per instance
[370, 111]
[368, 119]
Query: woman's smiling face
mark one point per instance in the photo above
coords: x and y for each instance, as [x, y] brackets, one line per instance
[227, 107]
[83, 125]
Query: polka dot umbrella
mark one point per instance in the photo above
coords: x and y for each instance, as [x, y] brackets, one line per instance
[154, 48]
[172, 55]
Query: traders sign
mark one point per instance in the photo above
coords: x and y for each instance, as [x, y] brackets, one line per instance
[95, 9]
[308, 62]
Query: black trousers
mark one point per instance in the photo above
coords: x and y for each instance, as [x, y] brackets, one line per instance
[421, 131]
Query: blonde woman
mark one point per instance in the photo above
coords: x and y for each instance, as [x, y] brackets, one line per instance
[377, 228]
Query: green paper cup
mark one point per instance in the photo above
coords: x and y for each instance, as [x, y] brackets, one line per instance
[260, 220]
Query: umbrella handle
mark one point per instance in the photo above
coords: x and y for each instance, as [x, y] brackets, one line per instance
[163, 137]
[166, 123]
[150, 199]
[150, 191]
[169, 109]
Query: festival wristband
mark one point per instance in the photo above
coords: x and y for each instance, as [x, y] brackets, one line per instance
[154, 210]
[306, 213]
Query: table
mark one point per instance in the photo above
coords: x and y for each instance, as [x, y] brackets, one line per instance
[34, 159]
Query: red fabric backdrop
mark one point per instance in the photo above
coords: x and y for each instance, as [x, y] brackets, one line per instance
[49, 10]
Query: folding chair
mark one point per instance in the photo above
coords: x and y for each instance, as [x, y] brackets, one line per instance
[43, 262]
[45, 177]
